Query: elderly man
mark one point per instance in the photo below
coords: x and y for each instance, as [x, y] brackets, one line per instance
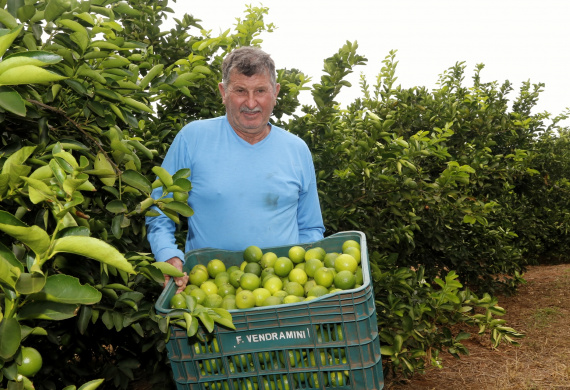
[252, 183]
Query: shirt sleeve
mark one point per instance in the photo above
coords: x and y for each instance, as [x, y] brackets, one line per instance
[309, 217]
[161, 229]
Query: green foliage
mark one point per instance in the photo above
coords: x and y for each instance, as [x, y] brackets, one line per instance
[448, 185]
[81, 145]
[418, 319]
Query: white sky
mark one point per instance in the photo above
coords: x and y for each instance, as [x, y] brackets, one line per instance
[517, 40]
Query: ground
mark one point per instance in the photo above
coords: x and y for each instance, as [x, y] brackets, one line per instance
[541, 310]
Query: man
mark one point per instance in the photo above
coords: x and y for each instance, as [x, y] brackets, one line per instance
[252, 183]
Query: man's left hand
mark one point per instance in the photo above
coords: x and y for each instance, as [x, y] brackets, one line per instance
[181, 281]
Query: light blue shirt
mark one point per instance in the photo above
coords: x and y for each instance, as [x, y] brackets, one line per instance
[263, 194]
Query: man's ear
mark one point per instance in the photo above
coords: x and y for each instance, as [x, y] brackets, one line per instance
[222, 92]
[277, 89]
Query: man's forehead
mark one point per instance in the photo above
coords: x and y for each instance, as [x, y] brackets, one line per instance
[240, 79]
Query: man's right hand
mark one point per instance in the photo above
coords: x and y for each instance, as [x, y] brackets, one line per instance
[181, 281]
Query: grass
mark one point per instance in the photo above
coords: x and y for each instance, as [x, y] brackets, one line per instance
[543, 317]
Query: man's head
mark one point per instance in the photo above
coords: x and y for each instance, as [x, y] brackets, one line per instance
[249, 92]
[248, 61]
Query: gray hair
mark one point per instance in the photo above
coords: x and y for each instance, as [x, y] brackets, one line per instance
[248, 61]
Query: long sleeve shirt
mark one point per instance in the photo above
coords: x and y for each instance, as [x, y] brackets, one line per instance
[263, 194]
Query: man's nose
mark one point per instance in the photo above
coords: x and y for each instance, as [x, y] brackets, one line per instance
[251, 102]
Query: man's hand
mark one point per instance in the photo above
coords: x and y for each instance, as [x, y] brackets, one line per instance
[180, 281]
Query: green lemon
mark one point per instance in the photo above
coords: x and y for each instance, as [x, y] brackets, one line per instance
[252, 254]
[31, 362]
[282, 266]
[297, 254]
[178, 302]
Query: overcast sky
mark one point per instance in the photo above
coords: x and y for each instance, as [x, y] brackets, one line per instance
[517, 40]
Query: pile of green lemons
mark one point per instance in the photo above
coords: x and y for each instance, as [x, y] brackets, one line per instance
[264, 279]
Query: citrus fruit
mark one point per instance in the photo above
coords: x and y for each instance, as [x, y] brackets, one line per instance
[339, 335]
[292, 299]
[260, 294]
[245, 299]
[272, 301]
[273, 284]
[267, 272]
[301, 265]
[329, 259]
[213, 301]
[354, 252]
[337, 379]
[283, 383]
[297, 254]
[180, 196]
[280, 293]
[235, 276]
[215, 347]
[215, 266]
[293, 356]
[322, 356]
[242, 265]
[199, 295]
[209, 287]
[359, 276]
[31, 362]
[312, 265]
[189, 288]
[344, 280]
[324, 277]
[249, 281]
[198, 275]
[222, 278]
[267, 260]
[252, 268]
[345, 262]
[309, 285]
[229, 302]
[315, 253]
[349, 243]
[282, 266]
[226, 289]
[317, 291]
[298, 275]
[178, 301]
[252, 254]
[294, 288]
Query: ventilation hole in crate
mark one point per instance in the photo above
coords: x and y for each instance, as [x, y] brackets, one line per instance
[268, 360]
[241, 363]
[336, 379]
[210, 367]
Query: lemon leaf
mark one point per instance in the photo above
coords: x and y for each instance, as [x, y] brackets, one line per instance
[94, 249]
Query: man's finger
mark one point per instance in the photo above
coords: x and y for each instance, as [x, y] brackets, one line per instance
[166, 279]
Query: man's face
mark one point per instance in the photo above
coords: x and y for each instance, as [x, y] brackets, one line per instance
[249, 102]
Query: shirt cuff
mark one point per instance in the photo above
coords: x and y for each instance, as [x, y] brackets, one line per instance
[169, 253]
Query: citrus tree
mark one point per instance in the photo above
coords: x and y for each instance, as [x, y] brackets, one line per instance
[444, 183]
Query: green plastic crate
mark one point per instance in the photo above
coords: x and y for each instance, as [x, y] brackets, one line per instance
[338, 333]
